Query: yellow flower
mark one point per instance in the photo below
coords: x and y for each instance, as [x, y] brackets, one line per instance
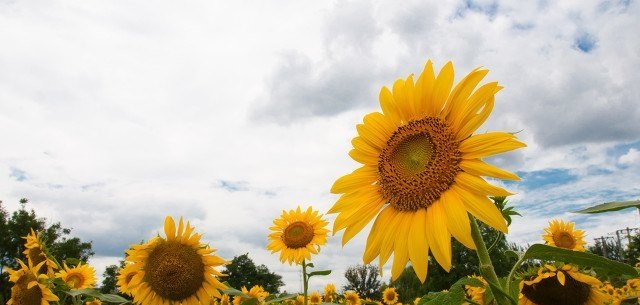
[389, 296]
[315, 298]
[416, 301]
[36, 252]
[224, 300]
[329, 293]
[93, 302]
[562, 285]
[178, 269]
[351, 298]
[125, 275]
[562, 235]
[29, 286]
[297, 235]
[255, 292]
[477, 293]
[421, 170]
[78, 277]
[299, 300]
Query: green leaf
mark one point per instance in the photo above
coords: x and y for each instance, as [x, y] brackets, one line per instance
[72, 261]
[282, 298]
[310, 265]
[233, 291]
[545, 252]
[514, 254]
[610, 207]
[113, 298]
[319, 272]
[87, 291]
[495, 288]
[455, 295]
[250, 301]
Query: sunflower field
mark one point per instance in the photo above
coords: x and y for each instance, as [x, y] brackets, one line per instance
[420, 183]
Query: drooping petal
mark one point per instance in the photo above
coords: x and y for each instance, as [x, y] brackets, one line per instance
[418, 246]
[438, 236]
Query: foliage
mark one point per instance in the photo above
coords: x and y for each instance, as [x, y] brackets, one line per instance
[242, 271]
[110, 278]
[363, 279]
[19, 224]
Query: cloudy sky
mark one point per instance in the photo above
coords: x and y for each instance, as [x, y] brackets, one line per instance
[114, 114]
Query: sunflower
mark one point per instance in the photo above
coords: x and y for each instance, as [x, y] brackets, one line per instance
[125, 275]
[255, 292]
[78, 277]
[351, 298]
[315, 298]
[390, 296]
[29, 286]
[224, 300]
[175, 270]
[329, 293]
[299, 300]
[36, 252]
[477, 293]
[93, 302]
[562, 235]
[562, 285]
[421, 169]
[297, 235]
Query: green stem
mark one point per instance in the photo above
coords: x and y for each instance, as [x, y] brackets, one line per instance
[486, 267]
[513, 272]
[305, 280]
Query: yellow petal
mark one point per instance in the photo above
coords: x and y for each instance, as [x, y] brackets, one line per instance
[380, 126]
[484, 140]
[169, 228]
[467, 128]
[470, 107]
[560, 276]
[363, 176]
[417, 244]
[363, 217]
[400, 251]
[442, 86]
[478, 185]
[457, 218]
[438, 236]
[482, 208]
[363, 157]
[478, 167]
[390, 236]
[366, 209]
[498, 148]
[388, 105]
[374, 240]
[459, 99]
[424, 90]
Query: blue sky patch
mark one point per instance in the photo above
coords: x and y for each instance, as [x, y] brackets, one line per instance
[543, 178]
[18, 174]
[585, 42]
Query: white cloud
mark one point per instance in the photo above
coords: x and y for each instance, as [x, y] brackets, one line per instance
[631, 157]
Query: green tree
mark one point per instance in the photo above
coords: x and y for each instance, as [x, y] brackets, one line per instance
[19, 225]
[363, 279]
[242, 271]
[110, 278]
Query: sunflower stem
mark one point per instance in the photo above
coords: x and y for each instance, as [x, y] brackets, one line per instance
[305, 280]
[486, 267]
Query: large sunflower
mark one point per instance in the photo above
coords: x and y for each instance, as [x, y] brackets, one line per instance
[30, 287]
[36, 252]
[421, 170]
[562, 235]
[297, 235]
[175, 270]
[78, 277]
[564, 285]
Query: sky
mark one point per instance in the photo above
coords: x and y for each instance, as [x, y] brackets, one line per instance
[114, 114]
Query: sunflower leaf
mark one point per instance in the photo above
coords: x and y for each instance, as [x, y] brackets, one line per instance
[250, 301]
[455, 295]
[319, 272]
[113, 298]
[610, 207]
[281, 298]
[233, 291]
[545, 252]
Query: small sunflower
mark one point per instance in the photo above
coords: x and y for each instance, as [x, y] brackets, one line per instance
[329, 293]
[178, 269]
[422, 170]
[299, 300]
[36, 252]
[562, 285]
[224, 300]
[477, 293]
[78, 277]
[93, 302]
[30, 287]
[255, 292]
[562, 235]
[390, 296]
[297, 235]
[416, 301]
[351, 298]
[125, 275]
[315, 298]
